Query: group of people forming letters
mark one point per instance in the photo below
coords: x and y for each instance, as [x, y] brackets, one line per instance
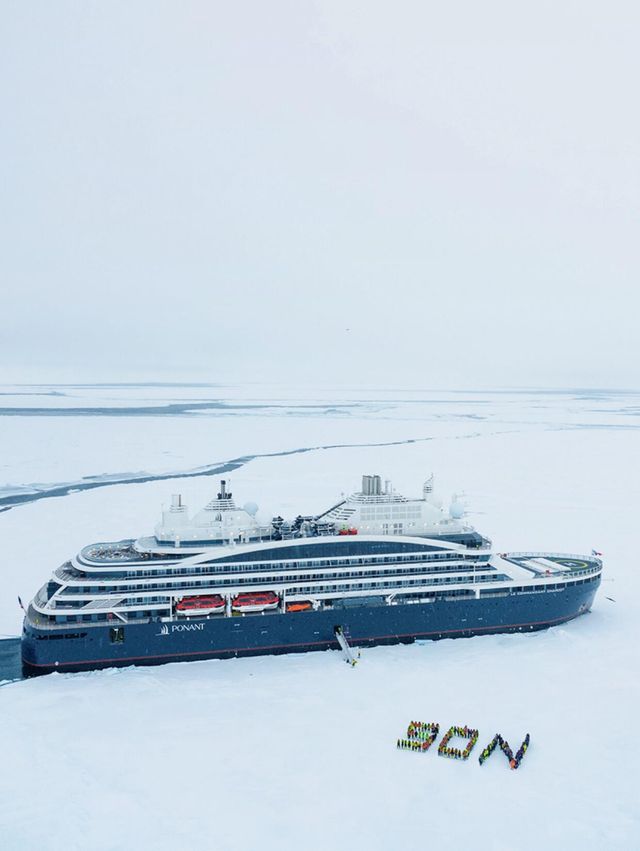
[421, 735]
[514, 761]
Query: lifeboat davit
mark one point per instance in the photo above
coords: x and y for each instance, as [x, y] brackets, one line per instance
[201, 605]
[257, 601]
[299, 606]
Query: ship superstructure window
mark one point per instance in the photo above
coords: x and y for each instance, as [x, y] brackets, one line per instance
[401, 568]
[353, 547]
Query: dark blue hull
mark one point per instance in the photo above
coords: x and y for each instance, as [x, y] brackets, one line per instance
[85, 647]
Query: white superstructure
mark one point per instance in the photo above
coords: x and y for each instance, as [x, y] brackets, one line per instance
[373, 510]
[220, 521]
[381, 511]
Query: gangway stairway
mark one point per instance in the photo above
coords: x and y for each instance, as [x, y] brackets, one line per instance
[342, 641]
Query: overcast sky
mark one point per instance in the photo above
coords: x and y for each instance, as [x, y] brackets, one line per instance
[419, 193]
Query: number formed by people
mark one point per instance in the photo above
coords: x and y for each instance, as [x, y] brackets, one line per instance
[420, 736]
[456, 753]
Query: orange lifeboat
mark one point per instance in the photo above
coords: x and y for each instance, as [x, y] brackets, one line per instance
[205, 604]
[299, 606]
[256, 601]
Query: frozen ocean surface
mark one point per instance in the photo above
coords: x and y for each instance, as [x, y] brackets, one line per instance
[299, 751]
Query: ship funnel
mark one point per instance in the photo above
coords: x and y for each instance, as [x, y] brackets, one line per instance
[371, 485]
[177, 505]
[223, 490]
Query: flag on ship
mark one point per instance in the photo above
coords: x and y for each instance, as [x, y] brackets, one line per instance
[595, 553]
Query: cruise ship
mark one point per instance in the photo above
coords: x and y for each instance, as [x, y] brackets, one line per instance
[375, 568]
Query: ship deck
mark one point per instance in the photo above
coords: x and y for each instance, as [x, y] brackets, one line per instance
[546, 564]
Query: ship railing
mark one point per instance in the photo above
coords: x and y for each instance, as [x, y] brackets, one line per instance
[41, 597]
[566, 556]
[63, 575]
[376, 499]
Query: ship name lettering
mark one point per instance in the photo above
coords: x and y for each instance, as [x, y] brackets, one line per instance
[187, 627]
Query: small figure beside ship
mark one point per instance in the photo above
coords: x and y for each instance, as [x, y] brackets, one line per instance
[375, 568]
